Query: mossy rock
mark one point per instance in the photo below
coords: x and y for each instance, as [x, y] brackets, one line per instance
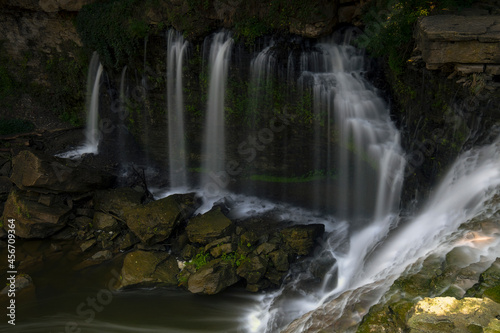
[116, 201]
[212, 278]
[301, 238]
[209, 227]
[253, 270]
[448, 314]
[148, 269]
[386, 318]
[154, 222]
[489, 281]
[34, 220]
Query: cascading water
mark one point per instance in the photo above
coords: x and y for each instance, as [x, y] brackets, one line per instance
[214, 137]
[93, 84]
[176, 50]
[363, 145]
[262, 68]
[369, 258]
[367, 269]
[92, 134]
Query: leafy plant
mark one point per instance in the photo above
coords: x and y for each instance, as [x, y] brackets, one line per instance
[390, 23]
[200, 260]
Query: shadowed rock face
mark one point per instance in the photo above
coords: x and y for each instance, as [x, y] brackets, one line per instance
[46, 174]
[465, 40]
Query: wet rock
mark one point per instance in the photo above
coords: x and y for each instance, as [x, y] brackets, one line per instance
[249, 239]
[34, 220]
[222, 249]
[105, 222]
[46, 174]
[126, 241]
[87, 245]
[87, 212]
[188, 252]
[488, 284]
[208, 227]
[82, 223]
[253, 269]
[102, 255]
[301, 238]
[116, 201]
[275, 276]
[147, 269]
[5, 188]
[255, 287]
[448, 314]
[24, 289]
[46, 199]
[154, 222]
[212, 278]
[279, 259]
[266, 248]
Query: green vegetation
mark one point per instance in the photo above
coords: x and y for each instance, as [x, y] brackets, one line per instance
[114, 28]
[235, 258]
[200, 260]
[390, 23]
[13, 126]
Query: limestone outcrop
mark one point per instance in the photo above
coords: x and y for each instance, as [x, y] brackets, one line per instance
[470, 43]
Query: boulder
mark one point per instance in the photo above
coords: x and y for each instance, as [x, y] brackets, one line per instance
[34, 220]
[42, 173]
[105, 222]
[148, 269]
[253, 270]
[116, 201]
[301, 238]
[154, 222]
[209, 227]
[212, 278]
[448, 314]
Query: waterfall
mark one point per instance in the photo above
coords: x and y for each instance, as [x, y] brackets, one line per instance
[176, 49]
[364, 163]
[92, 133]
[214, 136]
[92, 105]
[368, 258]
[262, 68]
[363, 145]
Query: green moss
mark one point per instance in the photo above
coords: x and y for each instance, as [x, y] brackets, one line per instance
[493, 293]
[114, 28]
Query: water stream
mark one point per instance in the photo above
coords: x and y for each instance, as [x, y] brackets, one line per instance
[176, 52]
[92, 133]
[214, 137]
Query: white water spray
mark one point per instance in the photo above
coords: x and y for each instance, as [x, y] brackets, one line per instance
[214, 137]
[176, 50]
[92, 133]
